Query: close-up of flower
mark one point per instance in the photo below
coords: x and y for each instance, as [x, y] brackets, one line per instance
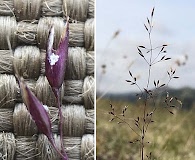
[39, 113]
[55, 67]
[55, 61]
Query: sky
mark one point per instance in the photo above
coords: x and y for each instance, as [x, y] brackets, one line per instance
[173, 25]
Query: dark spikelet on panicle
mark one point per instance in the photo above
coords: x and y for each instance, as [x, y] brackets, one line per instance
[152, 14]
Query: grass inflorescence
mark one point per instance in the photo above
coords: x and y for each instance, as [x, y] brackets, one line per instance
[140, 124]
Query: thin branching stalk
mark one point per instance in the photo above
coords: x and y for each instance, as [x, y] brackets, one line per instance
[156, 55]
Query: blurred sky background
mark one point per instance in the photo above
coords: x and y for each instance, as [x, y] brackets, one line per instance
[174, 24]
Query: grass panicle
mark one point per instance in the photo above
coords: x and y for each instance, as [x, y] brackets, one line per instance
[151, 55]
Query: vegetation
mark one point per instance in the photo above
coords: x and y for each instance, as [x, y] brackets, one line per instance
[186, 95]
[170, 137]
[154, 126]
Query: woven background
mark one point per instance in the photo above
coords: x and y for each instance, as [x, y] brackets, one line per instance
[25, 24]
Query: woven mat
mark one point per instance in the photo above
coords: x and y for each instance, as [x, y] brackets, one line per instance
[24, 25]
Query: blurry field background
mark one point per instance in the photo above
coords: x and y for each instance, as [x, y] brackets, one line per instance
[172, 137]
[119, 30]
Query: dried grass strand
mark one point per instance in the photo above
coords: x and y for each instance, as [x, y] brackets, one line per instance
[87, 147]
[53, 114]
[90, 63]
[6, 65]
[42, 58]
[52, 8]
[22, 121]
[26, 32]
[89, 121]
[8, 87]
[27, 61]
[89, 34]
[91, 10]
[25, 148]
[24, 9]
[76, 9]
[76, 64]
[6, 120]
[6, 8]
[76, 37]
[7, 29]
[88, 92]
[73, 147]
[74, 120]
[7, 146]
[29, 32]
[73, 92]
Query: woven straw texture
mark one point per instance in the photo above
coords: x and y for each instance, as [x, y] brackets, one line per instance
[24, 26]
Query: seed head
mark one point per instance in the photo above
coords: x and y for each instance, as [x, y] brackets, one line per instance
[55, 62]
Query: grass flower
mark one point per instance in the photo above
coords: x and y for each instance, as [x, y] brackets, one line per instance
[38, 113]
[55, 62]
[55, 66]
